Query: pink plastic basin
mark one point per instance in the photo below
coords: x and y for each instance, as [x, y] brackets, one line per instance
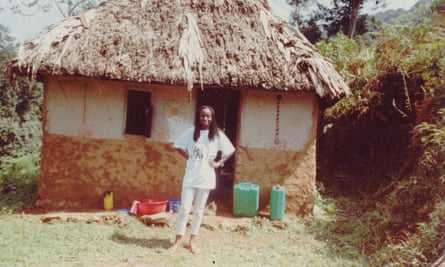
[151, 206]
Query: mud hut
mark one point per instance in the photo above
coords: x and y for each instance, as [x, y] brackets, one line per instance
[123, 80]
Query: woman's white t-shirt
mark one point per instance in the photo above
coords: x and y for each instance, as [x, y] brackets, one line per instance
[198, 172]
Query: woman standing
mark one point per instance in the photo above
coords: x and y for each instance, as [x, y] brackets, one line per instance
[199, 145]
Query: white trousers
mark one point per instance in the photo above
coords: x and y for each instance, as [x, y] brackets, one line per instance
[196, 197]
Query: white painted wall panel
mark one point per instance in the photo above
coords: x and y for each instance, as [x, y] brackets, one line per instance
[104, 111]
[77, 107]
[259, 116]
[172, 113]
[64, 107]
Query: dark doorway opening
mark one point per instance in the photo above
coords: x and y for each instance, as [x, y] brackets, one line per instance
[226, 104]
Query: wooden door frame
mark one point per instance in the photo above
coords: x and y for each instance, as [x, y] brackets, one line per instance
[226, 103]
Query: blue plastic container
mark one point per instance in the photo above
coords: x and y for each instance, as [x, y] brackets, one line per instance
[174, 205]
[246, 199]
[277, 203]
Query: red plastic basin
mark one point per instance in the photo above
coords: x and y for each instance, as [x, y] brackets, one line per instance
[151, 206]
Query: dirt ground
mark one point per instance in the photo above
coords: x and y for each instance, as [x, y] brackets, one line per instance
[225, 240]
[214, 225]
[221, 219]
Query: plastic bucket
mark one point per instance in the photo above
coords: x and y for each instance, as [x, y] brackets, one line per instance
[277, 203]
[245, 199]
[174, 205]
[108, 200]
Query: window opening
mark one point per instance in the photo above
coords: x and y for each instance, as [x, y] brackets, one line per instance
[139, 113]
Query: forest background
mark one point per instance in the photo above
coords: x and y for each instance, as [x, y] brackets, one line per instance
[380, 166]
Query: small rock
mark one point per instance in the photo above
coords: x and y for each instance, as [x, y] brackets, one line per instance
[279, 224]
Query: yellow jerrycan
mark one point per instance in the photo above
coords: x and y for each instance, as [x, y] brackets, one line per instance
[108, 200]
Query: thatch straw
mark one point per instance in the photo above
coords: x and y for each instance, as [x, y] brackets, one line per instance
[226, 43]
[190, 49]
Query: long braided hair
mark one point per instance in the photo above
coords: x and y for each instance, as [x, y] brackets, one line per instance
[213, 127]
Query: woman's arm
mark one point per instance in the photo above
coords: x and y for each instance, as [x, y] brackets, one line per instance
[182, 152]
[219, 163]
[226, 148]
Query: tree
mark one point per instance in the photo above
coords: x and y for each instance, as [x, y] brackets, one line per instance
[20, 107]
[66, 7]
[343, 16]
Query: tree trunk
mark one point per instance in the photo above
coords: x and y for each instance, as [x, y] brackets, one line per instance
[354, 7]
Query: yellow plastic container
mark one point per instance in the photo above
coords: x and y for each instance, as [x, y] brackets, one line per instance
[108, 200]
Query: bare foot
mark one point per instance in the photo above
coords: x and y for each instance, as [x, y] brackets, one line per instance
[173, 248]
[194, 249]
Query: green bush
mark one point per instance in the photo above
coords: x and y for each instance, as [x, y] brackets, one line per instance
[390, 134]
[18, 182]
[19, 138]
[418, 248]
[20, 133]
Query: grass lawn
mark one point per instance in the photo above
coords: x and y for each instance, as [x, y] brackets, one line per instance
[96, 239]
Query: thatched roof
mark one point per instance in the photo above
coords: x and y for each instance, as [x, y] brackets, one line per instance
[227, 43]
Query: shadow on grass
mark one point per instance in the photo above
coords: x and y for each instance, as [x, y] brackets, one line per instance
[143, 242]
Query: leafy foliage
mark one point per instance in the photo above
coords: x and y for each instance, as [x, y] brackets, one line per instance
[18, 182]
[20, 134]
[65, 7]
[318, 21]
[390, 134]
[20, 110]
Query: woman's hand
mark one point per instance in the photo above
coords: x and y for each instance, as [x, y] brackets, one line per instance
[216, 164]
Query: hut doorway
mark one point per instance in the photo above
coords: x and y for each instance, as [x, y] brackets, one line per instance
[226, 105]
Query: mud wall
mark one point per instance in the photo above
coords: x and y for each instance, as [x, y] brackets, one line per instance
[293, 170]
[77, 170]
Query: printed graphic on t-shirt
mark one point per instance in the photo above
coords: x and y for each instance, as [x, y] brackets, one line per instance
[200, 152]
